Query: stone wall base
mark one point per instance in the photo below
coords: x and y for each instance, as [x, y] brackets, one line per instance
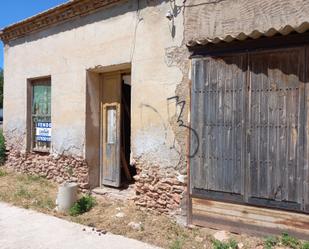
[55, 168]
[160, 190]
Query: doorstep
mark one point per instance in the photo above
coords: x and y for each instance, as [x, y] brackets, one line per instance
[126, 193]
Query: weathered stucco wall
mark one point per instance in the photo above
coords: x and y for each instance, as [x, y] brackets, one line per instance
[65, 52]
[109, 37]
[208, 19]
[137, 33]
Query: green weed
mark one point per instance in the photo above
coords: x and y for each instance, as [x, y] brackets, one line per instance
[270, 242]
[3, 173]
[289, 241]
[83, 205]
[34, 178]
[21, 192]
[305, 245]
[176, 244]
[231, 244]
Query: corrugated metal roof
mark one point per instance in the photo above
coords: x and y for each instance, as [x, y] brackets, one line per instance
[255, 34]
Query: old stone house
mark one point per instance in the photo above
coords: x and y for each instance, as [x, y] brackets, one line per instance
[204, 102]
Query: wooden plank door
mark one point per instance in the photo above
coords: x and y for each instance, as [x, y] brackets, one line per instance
[249, 120]
[276, 128]
[110, 130]
[306, 135]
[217, 116]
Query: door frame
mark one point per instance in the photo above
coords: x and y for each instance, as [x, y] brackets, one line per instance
[103, 125]
[119, 73]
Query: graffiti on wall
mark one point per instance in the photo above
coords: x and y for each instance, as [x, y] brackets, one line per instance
[193, 133]
[178, 107]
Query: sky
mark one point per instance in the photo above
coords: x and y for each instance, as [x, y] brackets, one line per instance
[16, 10]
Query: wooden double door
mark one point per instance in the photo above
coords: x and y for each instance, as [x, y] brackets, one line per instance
[249, 115]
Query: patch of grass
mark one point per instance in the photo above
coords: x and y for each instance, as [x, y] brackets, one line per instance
[45, 203]
[289, 241]
[231, 244]
[305, 245]
[270, 242]
[83, 205]
[28, 191]
[3, 173]
[22, 192]
[285, 240]
[21, 178]
[176, 244]
[30, 179]
[34, 178]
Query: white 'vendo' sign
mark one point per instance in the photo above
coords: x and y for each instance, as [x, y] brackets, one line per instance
[43, 132]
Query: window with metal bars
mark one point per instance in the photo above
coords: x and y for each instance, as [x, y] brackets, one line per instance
[41, 115]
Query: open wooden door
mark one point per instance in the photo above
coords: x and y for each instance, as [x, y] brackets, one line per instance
[110, 130]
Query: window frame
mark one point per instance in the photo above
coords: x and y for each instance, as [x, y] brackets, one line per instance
[30, 123]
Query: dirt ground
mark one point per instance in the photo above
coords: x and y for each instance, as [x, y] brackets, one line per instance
[117, 217]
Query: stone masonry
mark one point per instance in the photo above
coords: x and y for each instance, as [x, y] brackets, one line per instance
[159, 189]
[55, 168]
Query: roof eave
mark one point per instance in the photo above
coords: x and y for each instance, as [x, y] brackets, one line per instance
[255, 34]
[54, 16]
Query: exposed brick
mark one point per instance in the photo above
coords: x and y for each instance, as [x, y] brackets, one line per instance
[57, 169]
[163, 194]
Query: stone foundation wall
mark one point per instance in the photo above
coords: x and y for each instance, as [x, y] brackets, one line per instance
[163, 190]
[160, 190]
[56, 168]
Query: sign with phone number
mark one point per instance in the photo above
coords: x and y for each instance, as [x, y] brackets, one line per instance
[43, 131]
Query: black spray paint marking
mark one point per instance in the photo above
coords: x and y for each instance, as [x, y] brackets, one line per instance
[181, 123]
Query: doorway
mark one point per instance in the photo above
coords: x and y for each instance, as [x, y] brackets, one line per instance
[115, 123]
[248, 111]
